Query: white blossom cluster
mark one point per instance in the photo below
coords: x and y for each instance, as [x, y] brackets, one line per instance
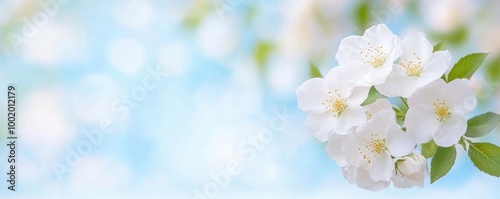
[369, 144]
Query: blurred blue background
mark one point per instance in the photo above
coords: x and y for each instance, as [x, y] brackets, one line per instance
[226, 67]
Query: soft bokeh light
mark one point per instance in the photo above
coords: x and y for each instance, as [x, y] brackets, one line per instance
[212, 74]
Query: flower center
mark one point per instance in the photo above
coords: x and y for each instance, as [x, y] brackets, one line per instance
[373, 148]
[335, 104]
[376, 145]
[374, 56]
[411, 67]
[441, 110]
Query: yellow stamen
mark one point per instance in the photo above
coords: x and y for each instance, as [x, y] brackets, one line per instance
[441, 110]
[411, 67]
[374, 56]
[335, 104]
[374, 147]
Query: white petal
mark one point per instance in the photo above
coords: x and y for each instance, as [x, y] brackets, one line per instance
[398, 84]
[420, 123]
[460, 97]
[437, 65]
[428, 94]
[377, 106]
[398, 142]
[311, 94]
[379, 75]
[360, 74]
[350, 49]
[416, 45]
[349, 173]
[450, 131]
[350, 149]
[334, 149]
[320, 125]
[350, 117]
[381, 167]
[378, 125]
[382, 35]
[402, 182]
[364, 181]
[336, 80]
[358, 95]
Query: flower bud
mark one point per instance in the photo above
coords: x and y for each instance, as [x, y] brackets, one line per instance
[410, 171]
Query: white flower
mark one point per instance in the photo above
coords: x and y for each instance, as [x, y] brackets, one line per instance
[358, 175]
[371, 146]
[361, 177]
[417, 67]
[335, 141]
[437, 112]
[377, 106]
[333, 103]
[371, 56]
[410, 171]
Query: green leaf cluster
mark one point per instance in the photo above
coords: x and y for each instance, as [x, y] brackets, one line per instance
[485, 156]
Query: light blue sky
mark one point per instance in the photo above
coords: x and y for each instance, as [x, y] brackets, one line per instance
[214, 98]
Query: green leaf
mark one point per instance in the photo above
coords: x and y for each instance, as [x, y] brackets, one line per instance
[482, 124]
[440, 46]
[486, 157]
[429, 149]
[467, 66]
[314, 71]
[442, 162]
[373, 95]
[405, 102]
[444, 78]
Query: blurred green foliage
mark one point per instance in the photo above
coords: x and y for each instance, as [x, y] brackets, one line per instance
[361, 14]
[261, 54]
[413, 8]
[493, 70]
[196, 14]
[456, 37]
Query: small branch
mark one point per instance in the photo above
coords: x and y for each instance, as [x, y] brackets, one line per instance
[463, 142]
[466, 140]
